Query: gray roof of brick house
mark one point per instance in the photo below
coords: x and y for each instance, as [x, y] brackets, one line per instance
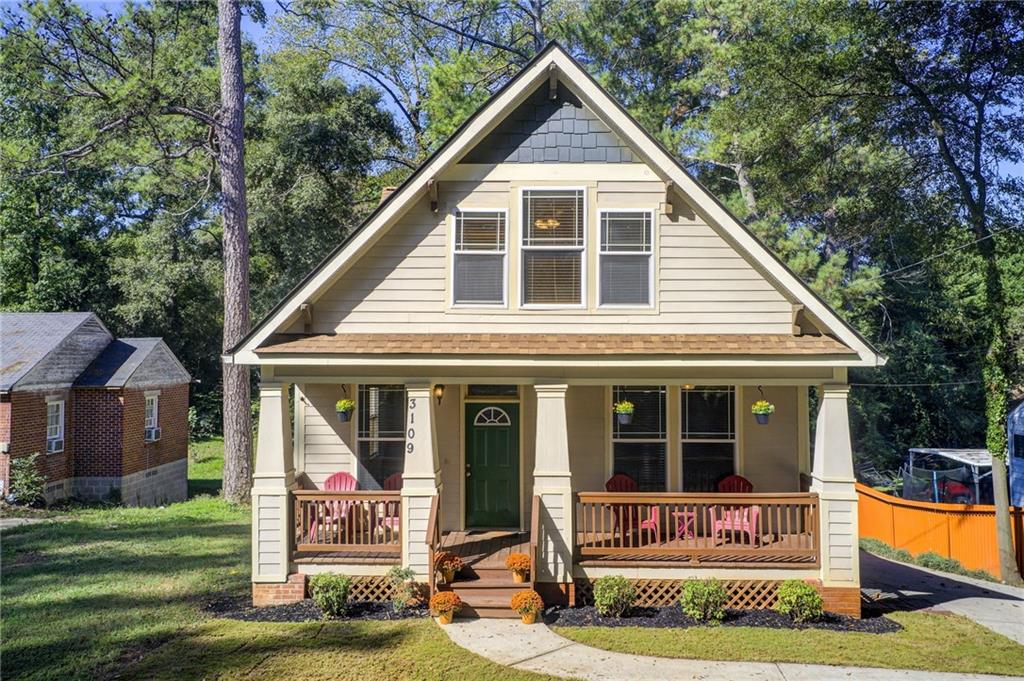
[545, 130]
[135, 362]
[47, 349]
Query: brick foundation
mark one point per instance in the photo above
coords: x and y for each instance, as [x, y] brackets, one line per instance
[844, 600]
[279, 593]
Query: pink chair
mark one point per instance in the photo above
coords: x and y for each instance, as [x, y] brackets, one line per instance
[620, 482]
[741, 520]
[390, 521]
[335, 511]
[735, 484]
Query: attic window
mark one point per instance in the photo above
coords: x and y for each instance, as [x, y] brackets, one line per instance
[479, 262]
[553, 247]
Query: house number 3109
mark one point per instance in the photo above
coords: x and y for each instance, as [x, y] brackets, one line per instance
[411, 433]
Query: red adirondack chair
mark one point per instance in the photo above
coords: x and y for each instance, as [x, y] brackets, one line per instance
[334, 511]
[620, 482]
[742, 519]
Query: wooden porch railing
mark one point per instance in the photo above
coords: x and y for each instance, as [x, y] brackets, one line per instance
[433, 540]
[358, 521]
[739, 527]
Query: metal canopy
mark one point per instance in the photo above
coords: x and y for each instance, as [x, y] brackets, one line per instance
[971, 457]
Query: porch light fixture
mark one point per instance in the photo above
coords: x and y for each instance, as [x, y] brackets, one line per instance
[546, 223]
[439, 392]
[687, 387]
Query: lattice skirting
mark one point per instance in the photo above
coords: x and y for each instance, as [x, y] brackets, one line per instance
[744, 594]
[375, 589]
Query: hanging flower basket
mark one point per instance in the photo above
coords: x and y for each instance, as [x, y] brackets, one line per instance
[624, 412]
[762, 409]
[344, 410]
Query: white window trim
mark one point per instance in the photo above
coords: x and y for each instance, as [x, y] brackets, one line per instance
[62, 412]
[156, 411]
[735, 439]
[610, 397]
[650, 262]
[582, 250]
[356, 463]
[504, 252]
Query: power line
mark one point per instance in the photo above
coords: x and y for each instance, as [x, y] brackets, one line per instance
[938, 255]
[913, 385]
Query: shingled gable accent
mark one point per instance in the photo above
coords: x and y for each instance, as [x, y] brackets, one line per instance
[483, 122]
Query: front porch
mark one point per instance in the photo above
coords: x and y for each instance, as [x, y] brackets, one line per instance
[574, 529]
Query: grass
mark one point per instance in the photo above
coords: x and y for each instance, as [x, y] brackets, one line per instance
[205, 466]
[929, 641]
[928, 559]
[101, 593]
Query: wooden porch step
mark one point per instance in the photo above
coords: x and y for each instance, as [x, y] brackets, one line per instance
[486, 598]
[501, 613]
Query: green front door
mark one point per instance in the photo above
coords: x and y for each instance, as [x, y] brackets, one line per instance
[492, 465]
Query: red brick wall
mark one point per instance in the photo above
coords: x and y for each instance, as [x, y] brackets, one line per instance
[844, 600]
[292, 591]
[97, 423]
[28, 431]
[173, 421]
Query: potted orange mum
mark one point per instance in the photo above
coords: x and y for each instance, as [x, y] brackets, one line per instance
[444, 604]
[527, 603]
[519, 564]
[447, 564]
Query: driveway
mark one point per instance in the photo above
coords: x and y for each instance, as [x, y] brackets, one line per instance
[898, 586]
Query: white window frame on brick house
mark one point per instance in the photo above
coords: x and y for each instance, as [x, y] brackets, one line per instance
[151, 421]
[461, 250]
[527, 248]
[55, 427]
[608, 250]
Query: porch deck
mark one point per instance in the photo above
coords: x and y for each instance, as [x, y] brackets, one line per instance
[485, 549]
[771, 552]
[345, 558]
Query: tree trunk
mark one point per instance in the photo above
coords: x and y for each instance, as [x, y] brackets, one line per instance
[230, 138]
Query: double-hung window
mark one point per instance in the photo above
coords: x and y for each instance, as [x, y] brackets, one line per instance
[626, 258]
[479, 262]
[55, 426]
[638, 448]
[152, 418]
[381, 434]
[708, 419]
[554, 237]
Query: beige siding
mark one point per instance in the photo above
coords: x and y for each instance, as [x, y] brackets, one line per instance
[328, 445]
[702, 285]
[770, 453]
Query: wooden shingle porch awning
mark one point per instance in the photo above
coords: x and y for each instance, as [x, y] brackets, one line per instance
[553, 344]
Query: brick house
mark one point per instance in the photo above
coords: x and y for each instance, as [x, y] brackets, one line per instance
[109, 417]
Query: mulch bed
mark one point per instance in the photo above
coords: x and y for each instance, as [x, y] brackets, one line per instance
[240, 608]
[673, 617]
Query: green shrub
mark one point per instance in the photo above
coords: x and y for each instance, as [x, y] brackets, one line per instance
[330, 593]
[613, 595]
[403, 588]
[928, 559]
[704, 600]
[27, 483]
[800, 601]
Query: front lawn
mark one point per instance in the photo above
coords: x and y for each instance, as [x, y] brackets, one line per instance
[928, 641]
[103, 593]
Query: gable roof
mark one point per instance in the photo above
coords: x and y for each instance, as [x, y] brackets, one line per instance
[26, 338]
[553, 60]
[119, 362]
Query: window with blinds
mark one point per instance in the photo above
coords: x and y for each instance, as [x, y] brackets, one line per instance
[554, 237]
[626, 258]
[708, 424]
[381, 434]
[638, 448]
[478, 276]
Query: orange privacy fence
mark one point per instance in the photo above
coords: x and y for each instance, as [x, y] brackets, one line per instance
[963, 532]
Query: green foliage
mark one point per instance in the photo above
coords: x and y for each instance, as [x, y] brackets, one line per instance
[330, 593]
[613, 595]
[344, 405]
[800, 601]
[623, 407]
[403, 587]
[704, 600]
[27, 483]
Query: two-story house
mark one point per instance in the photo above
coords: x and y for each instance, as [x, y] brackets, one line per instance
[550, 261]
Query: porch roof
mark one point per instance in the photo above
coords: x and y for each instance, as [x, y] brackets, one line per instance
[552, 344]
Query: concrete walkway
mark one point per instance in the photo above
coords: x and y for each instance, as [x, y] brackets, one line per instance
[902, 587]
[538, 649]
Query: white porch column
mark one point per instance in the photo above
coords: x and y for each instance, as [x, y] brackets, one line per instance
[420, 478]
[832, 478]
[273, 477]
[553, 483]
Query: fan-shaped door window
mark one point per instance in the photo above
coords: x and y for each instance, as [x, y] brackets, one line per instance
[492, 416]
